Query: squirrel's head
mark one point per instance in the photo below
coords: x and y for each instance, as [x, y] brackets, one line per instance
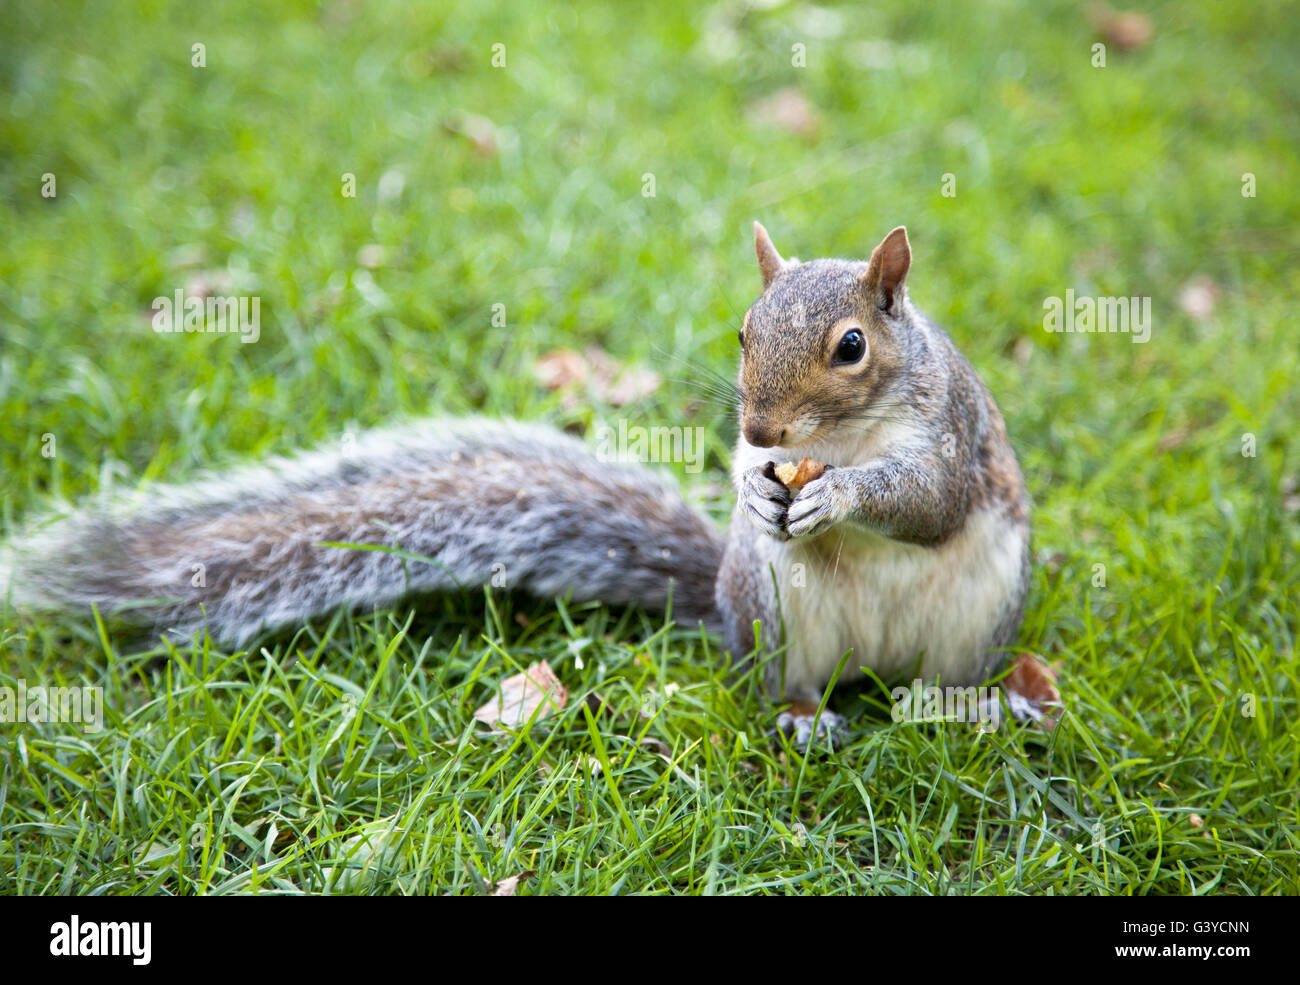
[821, 342]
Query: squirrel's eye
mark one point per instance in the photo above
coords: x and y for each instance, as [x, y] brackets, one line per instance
[851, 347]
[740, 336]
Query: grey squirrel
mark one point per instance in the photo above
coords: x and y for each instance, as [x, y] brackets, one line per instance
[914, 543]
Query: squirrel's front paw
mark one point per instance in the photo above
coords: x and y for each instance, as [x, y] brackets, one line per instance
[765, 502]
[820, 505]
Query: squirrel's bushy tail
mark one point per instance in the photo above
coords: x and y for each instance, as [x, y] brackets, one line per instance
[514, 505]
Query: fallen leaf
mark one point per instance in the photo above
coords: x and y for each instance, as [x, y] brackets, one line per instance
[617, 384]
[789, 110]
[1125, 29]
[560, 368]
[633, 384]
[523, 694]
[508, 885]
[1031, 691]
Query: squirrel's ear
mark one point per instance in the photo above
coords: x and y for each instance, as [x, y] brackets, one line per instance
[887, 270]
[770, 263]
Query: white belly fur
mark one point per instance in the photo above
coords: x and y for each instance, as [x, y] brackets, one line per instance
[891, 602]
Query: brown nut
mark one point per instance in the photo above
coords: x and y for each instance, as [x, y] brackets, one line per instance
[795, 477]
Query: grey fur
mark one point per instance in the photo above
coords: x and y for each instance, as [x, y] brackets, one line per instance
[951, 463]
[524, 504]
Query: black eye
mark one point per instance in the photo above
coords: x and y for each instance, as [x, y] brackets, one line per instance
[740, 336]
[851, 347]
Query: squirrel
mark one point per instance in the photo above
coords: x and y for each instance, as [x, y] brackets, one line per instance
[912, 545]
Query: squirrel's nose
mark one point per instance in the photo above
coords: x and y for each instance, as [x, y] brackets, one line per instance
[761, 433]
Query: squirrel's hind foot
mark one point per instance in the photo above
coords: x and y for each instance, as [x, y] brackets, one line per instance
[807, 730]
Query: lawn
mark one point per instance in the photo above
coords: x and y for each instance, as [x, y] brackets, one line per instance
[595, 188]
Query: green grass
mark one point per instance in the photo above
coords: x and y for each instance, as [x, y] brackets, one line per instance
[344, 758]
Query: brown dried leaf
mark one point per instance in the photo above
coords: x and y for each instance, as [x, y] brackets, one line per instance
[616, 383]
[560, 368]
[523, 694]
[1035, 682]
[633, 384]
[508, 885]
[1125, 29]
[790, 110]
[611, 380]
